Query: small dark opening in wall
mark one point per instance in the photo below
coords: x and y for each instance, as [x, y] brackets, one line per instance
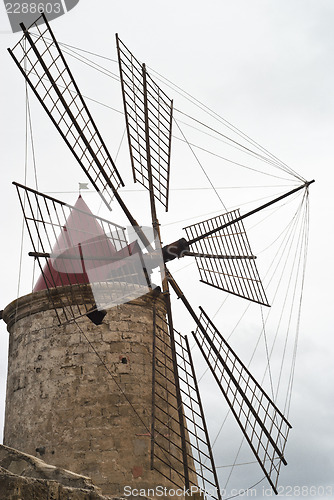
[124, 361]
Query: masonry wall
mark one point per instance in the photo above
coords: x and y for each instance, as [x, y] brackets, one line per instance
[25, 477]
[80, 398]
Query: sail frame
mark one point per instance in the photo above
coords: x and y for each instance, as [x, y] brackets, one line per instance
[44, 67]
[85, 260]
[265, 428]
[148, 114]
[173, 379]
[237, 272]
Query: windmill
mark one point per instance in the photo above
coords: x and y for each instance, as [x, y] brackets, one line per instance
[104, 257]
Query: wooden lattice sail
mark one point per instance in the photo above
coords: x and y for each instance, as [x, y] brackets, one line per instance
[148, 114]
[224, 259]
[74, 248]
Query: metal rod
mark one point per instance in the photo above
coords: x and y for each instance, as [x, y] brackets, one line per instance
[153, 387]
[195, 317]
[155, 222]
[211, 256]
[214, 472]
[73, 257]
[177, 389]
[198, 238]
[236, 417]
[181, 296]
[244, 397]
[124, 104]
[169, 147]
[82, 260]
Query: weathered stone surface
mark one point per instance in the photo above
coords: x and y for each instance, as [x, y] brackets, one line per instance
[24, 477]
[80, 396]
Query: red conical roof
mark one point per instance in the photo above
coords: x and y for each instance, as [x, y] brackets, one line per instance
[81, 240]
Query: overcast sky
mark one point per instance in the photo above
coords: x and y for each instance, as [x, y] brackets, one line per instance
[264, 65]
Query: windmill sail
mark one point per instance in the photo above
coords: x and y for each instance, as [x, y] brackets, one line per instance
[78, 250]
[87, 264]
[43, 65]
[148, 113]
[236, 273]
[263, 425]
[179, 443]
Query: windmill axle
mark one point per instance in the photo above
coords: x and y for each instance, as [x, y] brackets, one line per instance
[175, 250]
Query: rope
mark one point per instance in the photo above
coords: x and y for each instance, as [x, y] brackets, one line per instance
[222, 120]
[267, 354]
[305, 255]
[284, 247]
[243, 492]
[235, 461]
[91, 64]
[269, 158]
[287, 234]
[71, 51]
[85, 60]
[25, 181]
[229, 160]
[28, 111]
[231, 142]
[295, 265]
[84, 96]
[201, 166]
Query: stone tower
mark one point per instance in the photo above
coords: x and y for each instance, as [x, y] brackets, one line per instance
[81, 398]
[79, 395]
